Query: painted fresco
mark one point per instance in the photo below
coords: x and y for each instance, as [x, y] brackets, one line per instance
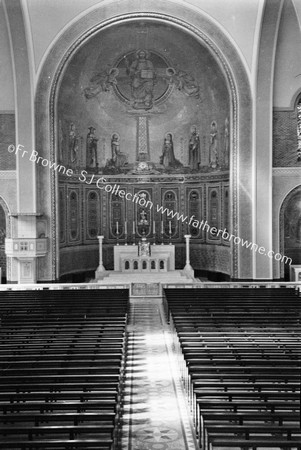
[143, 98]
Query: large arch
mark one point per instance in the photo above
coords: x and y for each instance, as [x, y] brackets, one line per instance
[207, 32]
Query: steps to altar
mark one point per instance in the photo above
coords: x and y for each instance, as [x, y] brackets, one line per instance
[145, 284]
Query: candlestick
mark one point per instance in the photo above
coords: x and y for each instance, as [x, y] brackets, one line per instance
[134, 228]
[169, 225]
[125, 228]
[154, 227]
[117, 229]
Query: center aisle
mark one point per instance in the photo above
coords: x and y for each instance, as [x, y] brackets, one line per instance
[155, 412]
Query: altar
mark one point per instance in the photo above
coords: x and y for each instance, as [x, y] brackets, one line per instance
[144, 258]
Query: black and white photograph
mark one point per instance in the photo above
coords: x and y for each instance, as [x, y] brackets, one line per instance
[150, 224]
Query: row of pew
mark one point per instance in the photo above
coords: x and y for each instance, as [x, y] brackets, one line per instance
[62, 360]
[239, 353]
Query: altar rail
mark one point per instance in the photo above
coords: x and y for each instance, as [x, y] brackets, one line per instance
[53, 286]
[237, 284]
[197, 285]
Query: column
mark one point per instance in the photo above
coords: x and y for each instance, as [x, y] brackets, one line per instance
[100, 267]
[143, 138]
[188, 269]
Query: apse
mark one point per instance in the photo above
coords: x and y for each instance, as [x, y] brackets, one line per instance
[146, 107]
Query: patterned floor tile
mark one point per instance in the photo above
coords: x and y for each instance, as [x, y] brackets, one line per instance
[155, 414]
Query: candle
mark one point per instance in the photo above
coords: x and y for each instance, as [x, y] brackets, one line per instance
[117, 230]
[162, 227]
[134, 227]
[169, 224]
[125, 227]
[154, 227]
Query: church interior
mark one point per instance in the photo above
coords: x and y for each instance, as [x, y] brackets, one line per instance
[150, 224]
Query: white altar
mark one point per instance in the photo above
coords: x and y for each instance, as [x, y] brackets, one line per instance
[144, 258]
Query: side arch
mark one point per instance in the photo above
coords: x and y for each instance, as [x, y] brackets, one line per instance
[290, 229]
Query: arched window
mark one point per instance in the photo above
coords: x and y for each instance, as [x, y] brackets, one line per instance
[153, 264]
[194, 211]
[92, 214]
[170, 202]
[161, 264]
[73, 224]
[126, 265]
[135, 265]
[213, 211]
[144, 265]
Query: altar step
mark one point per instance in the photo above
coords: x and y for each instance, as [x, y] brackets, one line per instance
[175, 276]
[145, 284]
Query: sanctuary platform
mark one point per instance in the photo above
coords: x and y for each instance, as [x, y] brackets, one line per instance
[144, 268]
[144, 284]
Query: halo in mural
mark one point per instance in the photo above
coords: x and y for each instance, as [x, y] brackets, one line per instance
[142, 79]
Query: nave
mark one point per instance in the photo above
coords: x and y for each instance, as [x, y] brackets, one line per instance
[89, 368]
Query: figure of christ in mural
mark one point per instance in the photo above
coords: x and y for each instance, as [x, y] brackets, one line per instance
[143, 77]
[168, 157]
[91, 147]
[194, 149]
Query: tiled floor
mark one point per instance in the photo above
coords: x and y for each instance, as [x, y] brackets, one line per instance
[155, 412]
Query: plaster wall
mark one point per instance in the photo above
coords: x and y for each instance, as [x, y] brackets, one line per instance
[287, 75]
[7, 102]
[239, 23]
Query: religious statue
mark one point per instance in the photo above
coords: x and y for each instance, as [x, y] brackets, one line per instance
[143, 78]
[183, 81]
[168, 157]
[118, 158]
[194, 149]
[101, 82]
[213, 155]
[73, 144]
[91, 147]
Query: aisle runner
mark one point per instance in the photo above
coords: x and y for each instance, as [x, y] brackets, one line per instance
[155, 414]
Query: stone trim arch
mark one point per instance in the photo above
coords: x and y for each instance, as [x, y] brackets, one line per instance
[284, 204]
[209, 34]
